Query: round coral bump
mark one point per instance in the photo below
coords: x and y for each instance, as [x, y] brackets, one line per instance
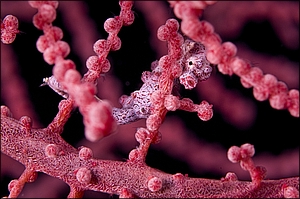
[247, 150]
[214, 56]
[278, 96]
[54, 32]
[42, 43]
[72, 76]
[256, 74]
[100, 46]
[205, 111]
[191, 28]
[178, 177]
[278, 101]
[61, 67]
[210, 41]
[239, 66]
[126, 4]
[125, 193]
[50, 55]
[99, 122]
[155, 184]
[12, 184]
[127, 17]
[85, 153]
[207, 27]
[153, 122]
[279, 88]
[260, 93]
[26, 122]
[38, 21]
[172, 25]
[269, 81]
[163, 33]
[252, 78]
[157, 98]
[51, 150]
[141, 135]
[57, 33]
[112, 25]
[37, 4]
[245, 83]
[92, 63]
[172, 103]
[84, 175]
[229, 49]
[62, 48]
[47, 13]
[224, 68]
[178, 8]
[5, 111]
[11, 23]
[290, 192]
[84, 94]
[134, 155]
[164, 61]
[262, 90]
[230, 176]
[7, 37]
[293, 103]
[234, 154]
[59, 49]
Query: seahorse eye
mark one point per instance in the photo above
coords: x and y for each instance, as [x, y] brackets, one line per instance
[190, 63]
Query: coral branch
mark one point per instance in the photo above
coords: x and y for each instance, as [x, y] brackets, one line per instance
[224, 55]
[243, 155]
[114, 176]
[15, 186]
[82, 91]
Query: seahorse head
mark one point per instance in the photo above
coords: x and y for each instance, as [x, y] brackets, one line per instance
[196, 68]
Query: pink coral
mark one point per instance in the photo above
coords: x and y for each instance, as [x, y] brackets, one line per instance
[9, 29]
[44, 149]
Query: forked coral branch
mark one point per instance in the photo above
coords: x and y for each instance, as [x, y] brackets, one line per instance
[42, 150]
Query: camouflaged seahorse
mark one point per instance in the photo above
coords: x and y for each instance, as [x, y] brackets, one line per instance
[196, 68]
